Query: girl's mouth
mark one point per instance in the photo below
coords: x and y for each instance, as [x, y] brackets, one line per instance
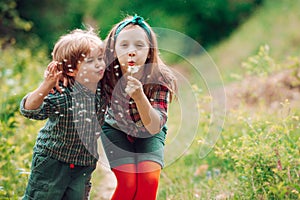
[131, 63]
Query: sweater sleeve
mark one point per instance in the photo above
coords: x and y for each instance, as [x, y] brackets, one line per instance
[160, 101]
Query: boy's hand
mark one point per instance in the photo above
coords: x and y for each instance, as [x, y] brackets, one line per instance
[52, 75]
[53, 66]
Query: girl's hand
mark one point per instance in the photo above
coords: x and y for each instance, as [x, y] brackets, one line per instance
[52, 75]
[134, 88]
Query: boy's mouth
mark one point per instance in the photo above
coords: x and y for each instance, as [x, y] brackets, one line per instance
[100, 72]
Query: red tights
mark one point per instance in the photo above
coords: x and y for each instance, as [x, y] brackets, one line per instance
[137, 182]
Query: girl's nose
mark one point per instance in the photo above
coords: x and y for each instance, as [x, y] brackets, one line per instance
[131, 54]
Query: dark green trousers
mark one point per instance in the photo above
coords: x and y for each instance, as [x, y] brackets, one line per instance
[55, 180]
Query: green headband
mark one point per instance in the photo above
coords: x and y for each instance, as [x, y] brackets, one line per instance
[136, 20]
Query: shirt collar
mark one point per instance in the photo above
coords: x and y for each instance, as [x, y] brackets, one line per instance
[78, 88]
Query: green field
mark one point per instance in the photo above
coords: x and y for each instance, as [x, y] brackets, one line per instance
[257, 155]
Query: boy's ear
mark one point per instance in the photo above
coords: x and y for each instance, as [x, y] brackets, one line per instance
[73, 73]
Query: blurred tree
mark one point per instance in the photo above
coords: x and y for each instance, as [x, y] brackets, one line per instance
[205, 21]
[11, 22]
[213, 20]
[52, 18]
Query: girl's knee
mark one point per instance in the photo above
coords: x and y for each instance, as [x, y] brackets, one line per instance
[149, 178]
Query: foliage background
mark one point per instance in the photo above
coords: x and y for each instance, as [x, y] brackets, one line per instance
[257, 156]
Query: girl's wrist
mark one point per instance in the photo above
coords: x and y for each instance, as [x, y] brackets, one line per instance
[139, 96]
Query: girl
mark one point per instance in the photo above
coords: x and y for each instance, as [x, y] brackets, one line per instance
[65, 152]
[139, 87]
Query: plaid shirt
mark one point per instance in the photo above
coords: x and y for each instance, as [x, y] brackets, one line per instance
[123, 114]
[73, 126]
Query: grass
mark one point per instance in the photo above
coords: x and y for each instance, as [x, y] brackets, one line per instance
[187, 175]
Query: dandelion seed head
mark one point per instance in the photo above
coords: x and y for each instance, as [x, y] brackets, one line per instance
[97, 133]
[88, 120]
[120, 114]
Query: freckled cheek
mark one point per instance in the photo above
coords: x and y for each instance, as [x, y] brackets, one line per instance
[122, 58]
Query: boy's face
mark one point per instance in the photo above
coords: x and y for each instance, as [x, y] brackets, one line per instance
[132, 47]
[92, 68]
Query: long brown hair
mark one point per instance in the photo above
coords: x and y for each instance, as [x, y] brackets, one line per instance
[155, 68]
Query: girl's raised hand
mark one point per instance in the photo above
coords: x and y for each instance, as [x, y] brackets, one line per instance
[134, 87]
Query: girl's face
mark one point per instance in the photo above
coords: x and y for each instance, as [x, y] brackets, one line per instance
[91, 69]
[132, 48]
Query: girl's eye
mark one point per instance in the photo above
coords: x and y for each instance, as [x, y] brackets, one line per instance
[140, 45]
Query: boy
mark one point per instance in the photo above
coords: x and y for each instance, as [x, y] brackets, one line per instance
[65, 153]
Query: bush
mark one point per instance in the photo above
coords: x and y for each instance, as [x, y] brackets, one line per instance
[265, 156]
[18, 75]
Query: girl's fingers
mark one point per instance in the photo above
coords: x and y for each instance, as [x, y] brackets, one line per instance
[133, 81]
[131, 78]
[133, 85]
